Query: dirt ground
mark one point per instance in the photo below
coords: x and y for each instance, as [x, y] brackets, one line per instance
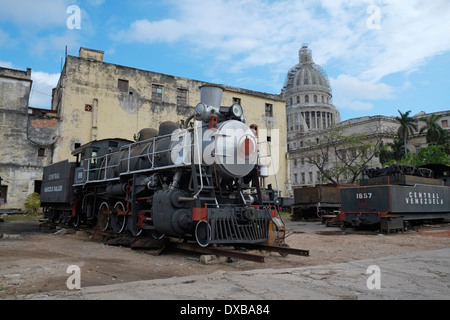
[34, 259]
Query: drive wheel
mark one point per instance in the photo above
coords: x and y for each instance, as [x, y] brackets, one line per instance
[203, 233]
[76, 221]
[133, 225]
[118, 218]
[103, 216]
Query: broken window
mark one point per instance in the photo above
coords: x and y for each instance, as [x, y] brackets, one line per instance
[182, 96]
[269, 110]
[41, 152]
[157, 92]
[3, 194]
[123, 85]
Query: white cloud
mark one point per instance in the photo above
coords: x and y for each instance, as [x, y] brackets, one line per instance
[262, 33]
[6, 64]
[41, 92]
[39, 14]
[358, 95]
[361, 89]
[167, 30]
[55, 42]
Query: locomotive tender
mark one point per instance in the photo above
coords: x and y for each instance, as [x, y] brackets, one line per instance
[197, 181]
[395, 197]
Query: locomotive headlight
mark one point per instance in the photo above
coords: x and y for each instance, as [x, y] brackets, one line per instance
[236, 111]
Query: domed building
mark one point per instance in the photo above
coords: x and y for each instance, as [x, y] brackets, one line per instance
[308, 98]
[309, 111]
[312, 119]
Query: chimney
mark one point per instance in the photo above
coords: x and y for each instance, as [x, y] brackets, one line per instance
[91, 54]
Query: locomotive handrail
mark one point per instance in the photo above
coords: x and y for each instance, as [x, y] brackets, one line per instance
[149, 154]
[199, 169]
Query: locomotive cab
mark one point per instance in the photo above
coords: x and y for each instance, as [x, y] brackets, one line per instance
[90, 156]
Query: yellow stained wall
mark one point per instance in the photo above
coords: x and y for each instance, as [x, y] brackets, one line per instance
[121, 114]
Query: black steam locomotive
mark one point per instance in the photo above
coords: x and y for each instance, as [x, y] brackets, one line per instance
[197, 181]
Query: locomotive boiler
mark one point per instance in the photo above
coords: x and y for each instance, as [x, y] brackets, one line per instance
[198, 180]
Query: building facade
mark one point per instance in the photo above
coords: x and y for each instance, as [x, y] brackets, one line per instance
[418, 140]
[26, 140]
[312, 118]
[308, 99]
[97, 100]
[326, 149]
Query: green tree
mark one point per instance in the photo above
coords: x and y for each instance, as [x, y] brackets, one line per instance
[407, 126]
[391, 152]
[340, 157]
[428, 155]
[434, 133]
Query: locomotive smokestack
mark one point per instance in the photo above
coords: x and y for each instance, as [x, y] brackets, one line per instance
[210, 100]
[211, 95]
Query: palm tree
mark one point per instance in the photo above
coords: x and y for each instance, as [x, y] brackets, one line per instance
[397, 149]
[435, 133]
[407, 126]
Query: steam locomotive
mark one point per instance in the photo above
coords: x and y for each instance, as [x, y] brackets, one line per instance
[199, 180]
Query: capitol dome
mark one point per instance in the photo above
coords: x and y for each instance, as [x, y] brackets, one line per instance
[307, 76]
[308, 97]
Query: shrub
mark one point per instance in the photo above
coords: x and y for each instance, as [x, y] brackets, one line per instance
[32, 203]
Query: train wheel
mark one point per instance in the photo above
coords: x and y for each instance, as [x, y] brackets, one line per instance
[103, 216]
[76, 221]
[54, 216]
[118, 218]
[156, 235]
[133, 227]
[203, 233]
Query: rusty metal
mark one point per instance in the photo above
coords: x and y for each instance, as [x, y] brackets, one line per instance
[281, 250]
[220, 252]
[150, 245]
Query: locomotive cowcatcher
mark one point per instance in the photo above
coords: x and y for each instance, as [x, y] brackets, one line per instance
[199, 180]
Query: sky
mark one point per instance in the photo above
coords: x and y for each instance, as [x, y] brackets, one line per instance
[381, 56]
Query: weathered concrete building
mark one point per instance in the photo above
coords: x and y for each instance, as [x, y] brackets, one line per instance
[97, 100]
[26, 139]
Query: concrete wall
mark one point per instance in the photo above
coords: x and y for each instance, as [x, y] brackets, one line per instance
[25, 140]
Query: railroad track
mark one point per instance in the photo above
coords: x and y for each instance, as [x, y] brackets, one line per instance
[154, 246]
[241, 252]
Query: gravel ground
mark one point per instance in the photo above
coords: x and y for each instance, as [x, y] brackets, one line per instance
[33, 261]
